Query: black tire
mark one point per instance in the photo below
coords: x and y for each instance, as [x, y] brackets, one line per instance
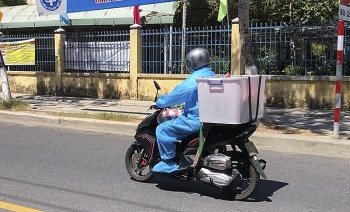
[132, 157]
[245, 193]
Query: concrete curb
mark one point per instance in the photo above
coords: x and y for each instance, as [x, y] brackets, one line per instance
[65, 99]
[314, 145]
[59, 119]
[85, 124]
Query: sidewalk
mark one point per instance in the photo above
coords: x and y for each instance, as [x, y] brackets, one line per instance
[318, 121]
[81, 105]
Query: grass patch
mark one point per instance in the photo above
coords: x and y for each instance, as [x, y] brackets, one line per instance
[13, 104]
[102, 116]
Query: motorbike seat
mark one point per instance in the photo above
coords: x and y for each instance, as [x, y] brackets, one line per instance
[189, 138]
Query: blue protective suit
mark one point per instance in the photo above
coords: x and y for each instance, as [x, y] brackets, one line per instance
[184, 125]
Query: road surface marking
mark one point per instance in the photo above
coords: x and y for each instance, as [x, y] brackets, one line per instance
[16, 208]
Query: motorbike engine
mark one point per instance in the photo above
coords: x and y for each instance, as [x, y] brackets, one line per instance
[216, 170]
[217, 161]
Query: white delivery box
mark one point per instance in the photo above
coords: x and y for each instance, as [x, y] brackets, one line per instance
[235, 100]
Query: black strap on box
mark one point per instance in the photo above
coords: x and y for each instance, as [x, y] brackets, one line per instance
[250, 100]
[257, 107]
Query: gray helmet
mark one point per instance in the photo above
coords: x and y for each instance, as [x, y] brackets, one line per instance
[197, 58]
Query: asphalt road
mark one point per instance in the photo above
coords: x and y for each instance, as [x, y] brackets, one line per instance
[50, 169]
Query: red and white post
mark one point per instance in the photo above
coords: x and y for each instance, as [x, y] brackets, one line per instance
[340, 55]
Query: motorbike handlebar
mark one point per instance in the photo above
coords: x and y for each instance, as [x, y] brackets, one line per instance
[154, 106]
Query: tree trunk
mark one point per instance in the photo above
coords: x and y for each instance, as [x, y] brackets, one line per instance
[183, 46]
[6, 94]
[247, 49]
[244, 31]
[291, 14]
[291, 23]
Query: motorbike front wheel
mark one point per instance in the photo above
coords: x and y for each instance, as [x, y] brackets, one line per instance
[136, 163]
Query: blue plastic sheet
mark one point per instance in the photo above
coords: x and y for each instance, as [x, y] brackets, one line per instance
[57, 7]
[88, 5]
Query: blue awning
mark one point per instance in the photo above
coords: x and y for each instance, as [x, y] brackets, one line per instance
[27, 16]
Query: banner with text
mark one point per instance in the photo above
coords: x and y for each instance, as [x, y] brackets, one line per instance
[344, 10]
[98, 56]
[57, 7]
[51, 7]
[18, 52]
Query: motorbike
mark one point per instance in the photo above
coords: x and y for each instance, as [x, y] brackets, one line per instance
[228, 160]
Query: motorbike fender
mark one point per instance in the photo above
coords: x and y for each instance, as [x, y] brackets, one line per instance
[256, 164]
[253, 158]
[147, 142]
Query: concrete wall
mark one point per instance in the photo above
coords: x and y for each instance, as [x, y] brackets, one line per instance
[96, 85]
[305, 92]
[147, 90]
[30, 82]
[287, 92]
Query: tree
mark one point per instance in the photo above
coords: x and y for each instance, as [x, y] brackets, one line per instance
[247, 49]
[246, 45]
[294, 11]
[204, 12]
[12, 2]
[6, 94]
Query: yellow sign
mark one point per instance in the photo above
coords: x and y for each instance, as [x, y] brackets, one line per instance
[18, 52]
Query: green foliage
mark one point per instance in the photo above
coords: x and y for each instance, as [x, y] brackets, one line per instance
[318, 49]
[13, 104]
[102, 116]
[220, 65]
[205, 12]
[12, 2]
[328, 69]
[301, 12]
[293, 70]
[176, 68]
[265, 57]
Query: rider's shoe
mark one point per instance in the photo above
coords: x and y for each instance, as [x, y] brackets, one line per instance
[166, 166]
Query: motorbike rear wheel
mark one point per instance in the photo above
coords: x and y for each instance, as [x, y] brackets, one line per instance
[254, 177]
[136, 161]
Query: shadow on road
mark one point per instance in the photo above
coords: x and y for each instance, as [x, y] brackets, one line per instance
[266, 188]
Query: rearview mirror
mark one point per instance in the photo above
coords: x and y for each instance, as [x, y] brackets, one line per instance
[157, 85]
[158, 88]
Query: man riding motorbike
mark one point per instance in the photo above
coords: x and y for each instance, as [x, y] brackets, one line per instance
[198, 61]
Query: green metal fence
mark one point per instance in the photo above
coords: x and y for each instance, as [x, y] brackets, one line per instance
[162, 48]
[295, 50]
[278, 50]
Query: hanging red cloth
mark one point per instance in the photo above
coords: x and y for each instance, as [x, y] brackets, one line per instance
[137, 18]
